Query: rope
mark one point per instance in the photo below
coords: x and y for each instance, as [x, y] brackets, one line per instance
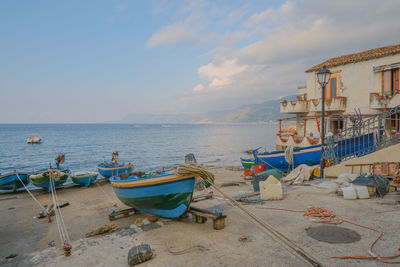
[104, 192]
[289, 245]
[64, 237]
[327, 216]
[289, 157]
[33, 197]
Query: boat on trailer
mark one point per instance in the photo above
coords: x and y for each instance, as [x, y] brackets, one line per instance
[311, 155]
[10, 181]
[166, 194]
[113, 168]
[84, 178]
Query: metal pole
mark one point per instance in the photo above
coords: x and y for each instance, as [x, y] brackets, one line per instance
[322, 166]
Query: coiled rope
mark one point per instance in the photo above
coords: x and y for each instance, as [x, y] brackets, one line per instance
[327, 216]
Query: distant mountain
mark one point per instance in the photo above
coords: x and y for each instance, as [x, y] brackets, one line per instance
[264, 112]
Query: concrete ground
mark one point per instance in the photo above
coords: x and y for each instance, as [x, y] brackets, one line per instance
[185, 243]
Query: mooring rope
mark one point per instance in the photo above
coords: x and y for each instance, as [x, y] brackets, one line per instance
[65, 240]
[104, 192]
[33, 197]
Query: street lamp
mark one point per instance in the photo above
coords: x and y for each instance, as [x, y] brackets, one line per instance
[323, 78]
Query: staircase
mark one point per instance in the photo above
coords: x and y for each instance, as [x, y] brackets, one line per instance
[368, 136]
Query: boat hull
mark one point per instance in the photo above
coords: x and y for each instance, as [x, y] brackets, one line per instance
[247, 163]
[108, 170]
[165, 196]
[42, 179]
[85, 179]
[311, 155]
[10, 181]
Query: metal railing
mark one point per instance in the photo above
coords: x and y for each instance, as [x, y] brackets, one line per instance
[368, 135]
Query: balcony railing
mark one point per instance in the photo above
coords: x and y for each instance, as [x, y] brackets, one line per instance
[380, 101]
[337, 103]
[283, 140]
[300, 106]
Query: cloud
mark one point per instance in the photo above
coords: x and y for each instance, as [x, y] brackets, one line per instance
[220, 73]
[265, 53]
[287, 41]
[172, 34]
[198, 88]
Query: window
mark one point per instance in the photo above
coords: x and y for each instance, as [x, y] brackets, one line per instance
[330, 89]
[390, 81]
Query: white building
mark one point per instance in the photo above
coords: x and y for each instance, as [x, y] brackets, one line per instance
[368, 81]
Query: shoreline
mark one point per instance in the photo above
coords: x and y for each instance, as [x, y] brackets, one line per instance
[202, 245]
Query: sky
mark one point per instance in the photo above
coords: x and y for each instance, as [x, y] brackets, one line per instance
[93, 61]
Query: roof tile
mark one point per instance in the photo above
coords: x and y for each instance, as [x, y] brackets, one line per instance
[357, 57]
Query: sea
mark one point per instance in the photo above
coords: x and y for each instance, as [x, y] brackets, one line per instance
[148, 146]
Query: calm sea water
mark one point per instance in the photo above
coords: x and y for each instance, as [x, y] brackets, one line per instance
[148, 147]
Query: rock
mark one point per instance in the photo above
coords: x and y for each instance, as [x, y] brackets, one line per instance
[102, 229]
[139, 221]
[139, 254]
[152, 219]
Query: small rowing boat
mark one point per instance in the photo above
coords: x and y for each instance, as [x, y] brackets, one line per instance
[10, 180]
[165, 194]
[113, 168]
[42, 178]
[84, 178]
[247, 163]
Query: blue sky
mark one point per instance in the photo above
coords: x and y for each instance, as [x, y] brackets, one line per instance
[96, 61]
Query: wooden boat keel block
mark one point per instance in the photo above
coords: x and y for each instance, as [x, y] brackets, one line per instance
[201, 215]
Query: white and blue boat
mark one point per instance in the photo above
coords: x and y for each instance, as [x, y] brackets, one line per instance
[165, 195]
[113, 168]
[108, 169]
[311, 155]
[10, 181]
[84, 178]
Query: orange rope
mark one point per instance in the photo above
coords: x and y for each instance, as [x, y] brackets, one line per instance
[327, 216]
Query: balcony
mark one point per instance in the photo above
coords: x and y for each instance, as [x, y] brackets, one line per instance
[380, 101]
[290, 107]
[285, 140]
[337, 103]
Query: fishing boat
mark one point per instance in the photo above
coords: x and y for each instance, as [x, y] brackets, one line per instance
[10, 181]
[165, 194]
[311, 155]
[42, 177]
[247, 163]
[84, 178]
[113, 168]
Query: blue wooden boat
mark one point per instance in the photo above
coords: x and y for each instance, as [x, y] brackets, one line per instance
[84, 178]
[311, 155]
[41, 178]
[10, 181]
[165, 195]
[112, 169]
